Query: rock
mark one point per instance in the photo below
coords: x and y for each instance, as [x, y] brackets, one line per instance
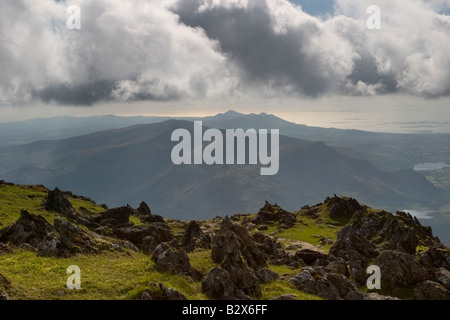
[136, 234]
[218, 285]
[117, 216]
[442, 276]
[77, 240]
[232, 238]
[239, 255]
[343, 208]
[160, 292]
[62, 240]
[356, 251]
[309, 257]
[147, 216]
[429, 290]
[400, 270]
[57, 201]
[333, 286]
[171, 259]
[435, 257]
[273, 213]
[193, 237]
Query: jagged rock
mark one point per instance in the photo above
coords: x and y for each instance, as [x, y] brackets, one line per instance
[4, 287]
[429, 290]
[193, 237]
[171, 259]
[273, 213]
[77, 240]
[309, 257]
[147, 216]
[357, 251]
[61, 240]
[343, 208]
[442, 276]
[399, 269]
[117, 216]
[57, 201]
[232, 238]
[338, 265]
[136, 234]
[160, 292]
[317, 281]
[435, 257]
[218, 285]
[239, 255]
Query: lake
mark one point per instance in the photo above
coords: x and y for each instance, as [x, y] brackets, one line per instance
[430, 166]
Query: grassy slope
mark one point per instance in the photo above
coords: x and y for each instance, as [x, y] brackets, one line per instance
[113, 275]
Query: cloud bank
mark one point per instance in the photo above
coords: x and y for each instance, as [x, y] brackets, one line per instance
[209, 49]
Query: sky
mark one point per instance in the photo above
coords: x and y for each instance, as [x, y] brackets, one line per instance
[192, 57]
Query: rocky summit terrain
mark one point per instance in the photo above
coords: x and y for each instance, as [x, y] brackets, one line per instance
[318, 252]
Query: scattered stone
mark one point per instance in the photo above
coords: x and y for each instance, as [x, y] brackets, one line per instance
[194, 238]
[309, 257]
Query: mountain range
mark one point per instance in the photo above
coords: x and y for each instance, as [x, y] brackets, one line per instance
[132, 164]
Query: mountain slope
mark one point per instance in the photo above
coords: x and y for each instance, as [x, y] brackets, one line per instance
[133, 164]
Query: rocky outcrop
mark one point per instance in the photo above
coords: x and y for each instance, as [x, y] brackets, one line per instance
[194, 238]
[429, 290]
[343, 209]
[61, 240]
[236, 251]
[160, 292]
[145, 237]
[309, 257]
[57, 201]
[317, 281]
[273, 213]
[172, 259]
[219, 285]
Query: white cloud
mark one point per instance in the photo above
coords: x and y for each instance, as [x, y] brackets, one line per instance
[184, 49]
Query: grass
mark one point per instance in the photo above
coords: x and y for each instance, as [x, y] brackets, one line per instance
[15, 198]
[280, 287]
[109, 275]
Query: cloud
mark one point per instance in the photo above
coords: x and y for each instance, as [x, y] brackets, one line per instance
[142, 50]
[125, 50]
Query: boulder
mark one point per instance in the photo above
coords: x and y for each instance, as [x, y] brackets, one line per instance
[219, 285]
[172, 259]
[442, 276]
[333, 286]
[429, 290]
[400, 270]
[117, 217]
[343, 208]
[136, 234]
[193, 237]
[147, 216]
[57, 201]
